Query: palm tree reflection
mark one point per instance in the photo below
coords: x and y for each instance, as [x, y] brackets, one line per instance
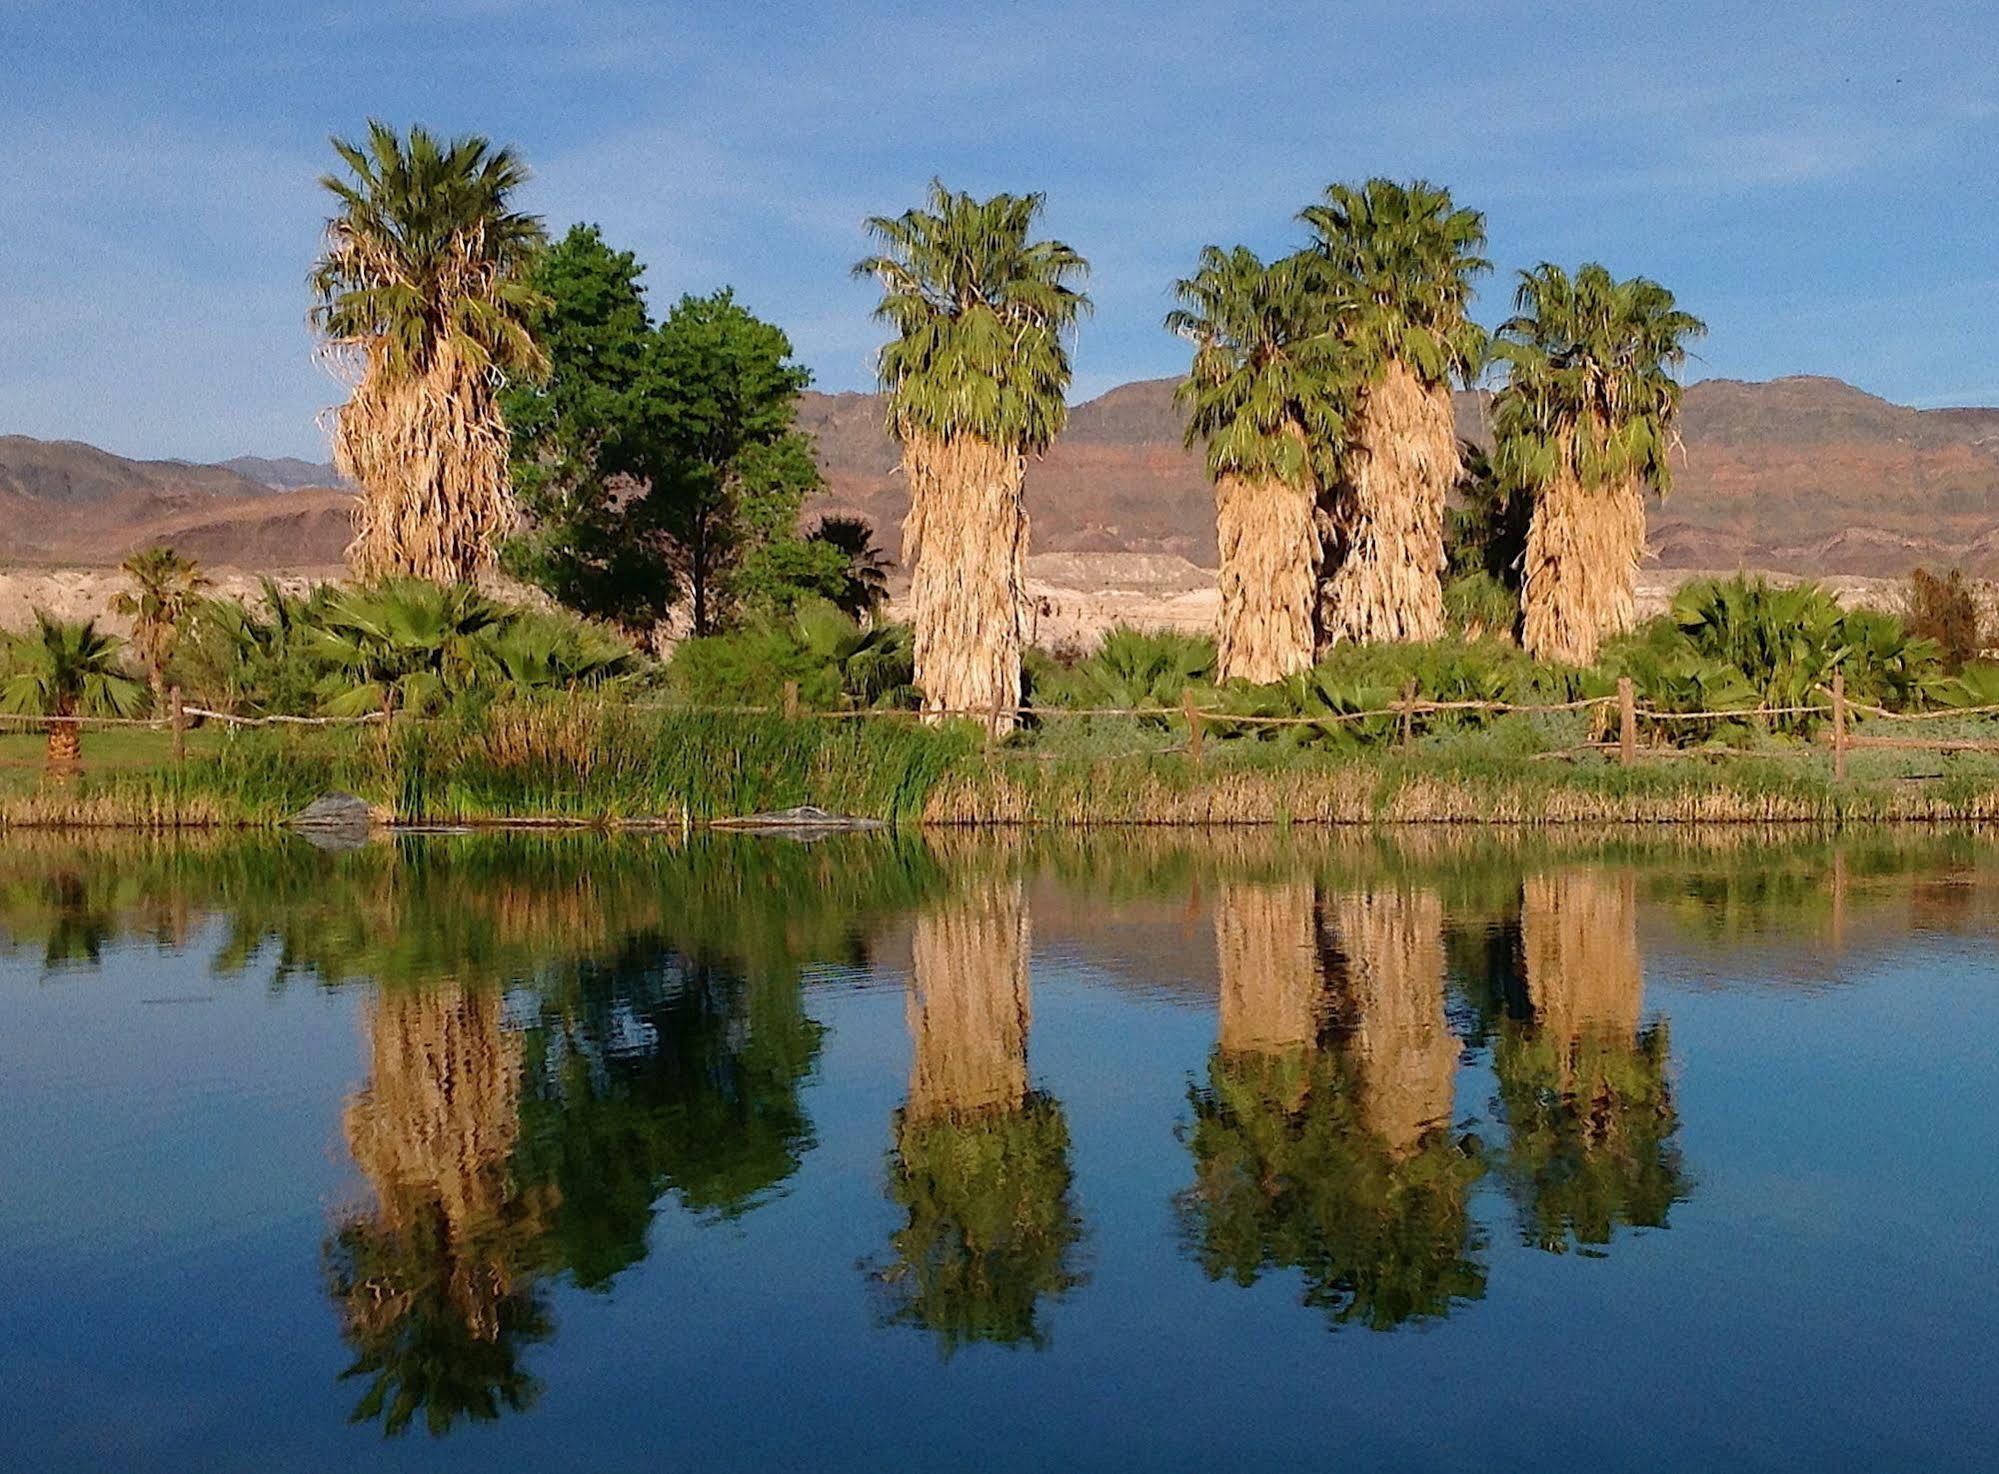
[1322, 1139]
[1583, 1081]
[981, 1164]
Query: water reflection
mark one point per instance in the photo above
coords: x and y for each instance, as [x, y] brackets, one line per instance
[1583, 1083]
[981, 1161]
[436, 1283]
[1322, 1137]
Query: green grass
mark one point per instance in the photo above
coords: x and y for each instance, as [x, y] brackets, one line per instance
[596, 760]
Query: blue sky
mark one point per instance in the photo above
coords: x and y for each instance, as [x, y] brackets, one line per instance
[1816, 180]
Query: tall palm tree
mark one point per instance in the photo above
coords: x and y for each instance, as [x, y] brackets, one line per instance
[63, 671]
[1405, 256]
[165, 591]
[1265, 388]
[422, 298]
[1583, 426]
[975, 378]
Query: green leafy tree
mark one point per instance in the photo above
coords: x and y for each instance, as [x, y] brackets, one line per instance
[976, 377]
[1265, 388]
[1583, 427]
[165, 590]
[421, 295]
[64, 670]
[1402, 256]
[736, 472]
[586, 441]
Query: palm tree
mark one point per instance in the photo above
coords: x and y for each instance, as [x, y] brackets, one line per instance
[1264, 389]
[975, 379]
[1584, 424]
[165, 591]
[64, 671]
[422, 299]
[405, 645]
[1405, 256]
[867, 566]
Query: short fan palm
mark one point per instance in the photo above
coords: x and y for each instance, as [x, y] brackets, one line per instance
[64, 671]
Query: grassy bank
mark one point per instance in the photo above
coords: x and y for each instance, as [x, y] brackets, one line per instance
[597, 761]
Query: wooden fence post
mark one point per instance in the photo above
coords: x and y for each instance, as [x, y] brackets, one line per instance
[791, 700]
[1627, 723]
[177, 719]
[1408, 705]
[1839, 726]
[1193, 723]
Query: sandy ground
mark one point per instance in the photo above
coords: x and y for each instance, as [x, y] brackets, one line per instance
[1075, 596]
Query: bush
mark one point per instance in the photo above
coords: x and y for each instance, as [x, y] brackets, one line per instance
[1480, 604]
[1945, 610]
[1130, 669]
[837, 662]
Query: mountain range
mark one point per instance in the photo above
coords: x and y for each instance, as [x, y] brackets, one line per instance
[1806, 475]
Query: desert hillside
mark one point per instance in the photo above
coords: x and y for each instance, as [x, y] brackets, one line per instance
[1803, 475]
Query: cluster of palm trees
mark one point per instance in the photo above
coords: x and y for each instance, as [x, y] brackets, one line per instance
[1321, 386]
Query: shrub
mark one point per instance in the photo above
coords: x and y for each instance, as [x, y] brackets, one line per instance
[1130, 669]
[1480, 604]
[1945, 610]
[837, 661]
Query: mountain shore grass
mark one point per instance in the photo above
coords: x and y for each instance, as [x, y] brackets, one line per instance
[610, 764]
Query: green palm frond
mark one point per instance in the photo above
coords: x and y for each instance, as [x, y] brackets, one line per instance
[1404, 255]
[1272, 369]
[981, 312]
[1590, 389]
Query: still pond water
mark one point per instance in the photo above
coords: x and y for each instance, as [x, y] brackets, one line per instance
[1150, 1151]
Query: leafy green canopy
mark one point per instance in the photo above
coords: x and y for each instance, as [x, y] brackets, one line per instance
[1269, 363]
[427, 255]
[1404, 257]
[979, 311]
[1590, 390]
[661, 459]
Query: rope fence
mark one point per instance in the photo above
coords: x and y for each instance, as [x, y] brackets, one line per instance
[1200, 720]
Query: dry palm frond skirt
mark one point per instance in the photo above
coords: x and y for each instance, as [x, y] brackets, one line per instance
[966, 542]
[430, 457]
[1267, 954]
[967, 1005]
[1393, 1005]
[1269, 578]
[1385, 565]
[1583, 546]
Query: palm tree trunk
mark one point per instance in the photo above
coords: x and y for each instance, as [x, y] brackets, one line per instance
[966, 539]
[1267, 956]
[1583, 546]
[968, 1003]
[1384, 579]
[1392, 1000]
[65, 750]
[430, 458]
[1269, 578]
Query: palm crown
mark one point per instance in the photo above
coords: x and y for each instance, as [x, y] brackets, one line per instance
[66, 669]
[980, 311]
[1269, 365]
[165, 587]
[427, 255]
[1590, 383]
[1405, 256]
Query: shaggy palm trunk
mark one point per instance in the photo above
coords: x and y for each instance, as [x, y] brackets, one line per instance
[1392, 1006]
[1269, 578]
[1385, 561]
[435, 1127]
[1266, 951]
[430, 457]
[967, 1005]
[966, 541]
[1579, 946]
[1583, 547]
[65, 751]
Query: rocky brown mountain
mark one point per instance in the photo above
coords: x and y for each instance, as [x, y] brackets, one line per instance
[1806, 475]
